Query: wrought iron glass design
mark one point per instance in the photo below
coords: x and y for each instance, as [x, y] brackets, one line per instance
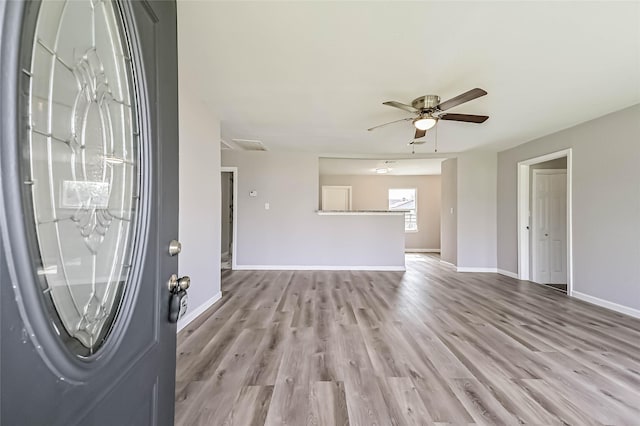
[83, 163]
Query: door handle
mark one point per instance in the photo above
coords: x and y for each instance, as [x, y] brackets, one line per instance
[178, 300]
[546, 235]
[176, 284]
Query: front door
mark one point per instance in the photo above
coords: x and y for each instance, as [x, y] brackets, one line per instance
[88, 208]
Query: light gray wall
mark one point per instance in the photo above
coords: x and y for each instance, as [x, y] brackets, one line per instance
[558, 163]
[291, 233]
[606, 204]
[372, 193]
[449, 212]
[225, 208]
[199, 165]
[477, 210]
[199, 232]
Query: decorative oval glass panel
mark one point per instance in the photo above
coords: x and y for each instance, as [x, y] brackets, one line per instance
[83, 164]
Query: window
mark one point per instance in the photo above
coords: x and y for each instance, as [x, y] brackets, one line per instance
[405, 200]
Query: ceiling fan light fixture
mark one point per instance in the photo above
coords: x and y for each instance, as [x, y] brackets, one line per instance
[425, 123]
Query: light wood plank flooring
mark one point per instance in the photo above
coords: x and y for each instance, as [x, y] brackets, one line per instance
[428, 346]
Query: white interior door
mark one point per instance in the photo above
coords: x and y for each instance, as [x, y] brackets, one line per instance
[549, 219]
[336, 198]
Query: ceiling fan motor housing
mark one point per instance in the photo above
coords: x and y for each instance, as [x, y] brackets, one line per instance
[426, 102]
[429, 110]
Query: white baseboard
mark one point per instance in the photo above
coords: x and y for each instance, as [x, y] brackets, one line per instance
[489, 270]
[475, 269]
[606, 304]
[316, 268]
[447, 263]
[418, 250]
[191, 315]
[508, 273]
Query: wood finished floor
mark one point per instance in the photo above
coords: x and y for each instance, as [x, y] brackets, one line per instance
[428, 346]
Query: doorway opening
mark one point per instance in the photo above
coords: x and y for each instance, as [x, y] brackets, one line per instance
[228, 216]
[544, 221]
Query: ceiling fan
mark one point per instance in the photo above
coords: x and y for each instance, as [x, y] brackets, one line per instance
[430, 110]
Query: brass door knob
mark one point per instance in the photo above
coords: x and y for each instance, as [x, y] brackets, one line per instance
[177, 284]
[184, 282]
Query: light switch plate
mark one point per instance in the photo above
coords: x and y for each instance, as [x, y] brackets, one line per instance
[266, 206]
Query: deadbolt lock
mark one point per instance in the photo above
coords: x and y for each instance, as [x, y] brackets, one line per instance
[175, 247]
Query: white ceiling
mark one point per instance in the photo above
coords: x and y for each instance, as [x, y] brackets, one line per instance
[350, 166]
[312, 76]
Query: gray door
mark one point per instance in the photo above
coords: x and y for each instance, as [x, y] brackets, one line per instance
[88, 208]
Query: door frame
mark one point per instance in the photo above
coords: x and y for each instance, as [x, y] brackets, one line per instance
[234, 225]
[534, 259]
[523, 212]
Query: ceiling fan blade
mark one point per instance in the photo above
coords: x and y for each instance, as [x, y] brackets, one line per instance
[469, 118]
[420, 134]
[391, 122]
[400, 105]
[460, 99]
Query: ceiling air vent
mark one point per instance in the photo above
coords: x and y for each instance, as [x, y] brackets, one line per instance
[250, 145]
[224, 145]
